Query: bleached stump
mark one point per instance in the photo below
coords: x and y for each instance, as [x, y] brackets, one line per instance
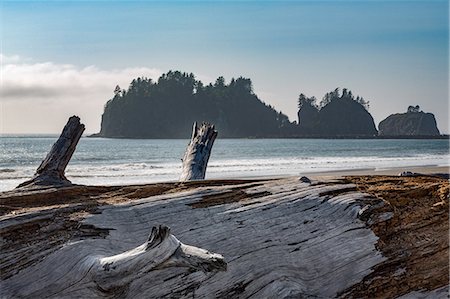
[52, 168]
[197, 154]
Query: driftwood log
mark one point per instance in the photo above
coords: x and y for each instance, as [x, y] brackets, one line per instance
[51, 171]
[197, 153]
[280, 238]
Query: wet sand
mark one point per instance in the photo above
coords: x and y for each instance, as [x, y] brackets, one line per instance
[431, 169]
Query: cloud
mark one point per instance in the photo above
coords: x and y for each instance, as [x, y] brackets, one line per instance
[4, 59]
[50, 80]
[61, 89]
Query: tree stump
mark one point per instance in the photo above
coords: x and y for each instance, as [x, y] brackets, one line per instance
[197, 154]
[52, 168]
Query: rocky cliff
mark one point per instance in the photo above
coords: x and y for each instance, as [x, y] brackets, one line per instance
[345, 117]
[341, 115]
[308, 117]
[409, 124]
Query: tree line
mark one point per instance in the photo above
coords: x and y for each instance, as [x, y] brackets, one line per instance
[166, 108]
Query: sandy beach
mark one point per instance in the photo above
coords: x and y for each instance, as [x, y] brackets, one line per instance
[336, 174]
[432, 169]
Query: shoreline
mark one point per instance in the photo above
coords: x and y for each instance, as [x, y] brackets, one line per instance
[333, 174]
[316, 175]
[363, 137]
[394, 171]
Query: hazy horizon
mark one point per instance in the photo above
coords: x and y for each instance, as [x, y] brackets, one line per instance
[64, 58]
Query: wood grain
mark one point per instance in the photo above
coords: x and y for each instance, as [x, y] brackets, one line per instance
[293, 240]
[51, 172]
[197, 153]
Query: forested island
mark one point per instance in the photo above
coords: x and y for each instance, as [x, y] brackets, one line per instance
[337, 115]
[166, 108]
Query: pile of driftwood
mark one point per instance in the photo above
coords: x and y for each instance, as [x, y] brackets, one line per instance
[271, 238]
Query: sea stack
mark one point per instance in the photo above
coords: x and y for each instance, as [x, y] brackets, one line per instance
[412, 123]
[338, 115]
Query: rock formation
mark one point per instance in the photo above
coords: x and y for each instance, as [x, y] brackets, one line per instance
[345, 117]
[308, 118]
[411, 123]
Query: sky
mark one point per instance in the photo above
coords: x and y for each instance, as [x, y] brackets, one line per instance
[63, 58]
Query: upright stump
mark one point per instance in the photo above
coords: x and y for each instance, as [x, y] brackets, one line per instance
[197, 154]
[51, 170]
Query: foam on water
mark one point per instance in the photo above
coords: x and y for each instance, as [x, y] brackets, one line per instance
[121, 161]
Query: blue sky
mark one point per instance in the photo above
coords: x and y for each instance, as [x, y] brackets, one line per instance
[394, 53]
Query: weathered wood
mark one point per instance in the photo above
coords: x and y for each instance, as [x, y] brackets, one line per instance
[161, 250]
[51, 170]
[197, 153]
[281, 239]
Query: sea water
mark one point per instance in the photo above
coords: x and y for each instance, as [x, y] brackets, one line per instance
[102, 161]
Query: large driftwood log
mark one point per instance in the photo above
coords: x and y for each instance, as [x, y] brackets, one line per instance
[281, 238]
[51, 170]
[197, 154]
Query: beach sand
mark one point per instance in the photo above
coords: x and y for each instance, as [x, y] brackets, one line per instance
[431, 169]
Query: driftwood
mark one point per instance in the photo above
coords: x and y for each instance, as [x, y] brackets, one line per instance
[51, 171]
[162, 250]
[281, 239]
[197, 153]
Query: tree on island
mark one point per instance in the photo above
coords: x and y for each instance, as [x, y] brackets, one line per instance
[304, 100]
[346, 94]
[413, 109]
[308, 113]
[167, 108]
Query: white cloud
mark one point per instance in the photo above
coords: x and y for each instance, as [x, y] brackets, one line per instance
[4, 59]
[39, 97]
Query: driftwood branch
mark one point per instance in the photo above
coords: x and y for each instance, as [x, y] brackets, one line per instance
[51, 171]
[197, 154]
[162, 250]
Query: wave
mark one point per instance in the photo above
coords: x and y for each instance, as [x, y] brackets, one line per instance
[140, 172]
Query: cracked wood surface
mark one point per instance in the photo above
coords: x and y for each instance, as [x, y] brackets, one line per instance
[280, 239]
[197, 153]
[51, 171]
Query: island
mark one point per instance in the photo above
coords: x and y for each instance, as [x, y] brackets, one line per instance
[412, 123]
[167, 107]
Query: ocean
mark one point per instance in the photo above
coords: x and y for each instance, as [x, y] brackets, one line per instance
[102, 161]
